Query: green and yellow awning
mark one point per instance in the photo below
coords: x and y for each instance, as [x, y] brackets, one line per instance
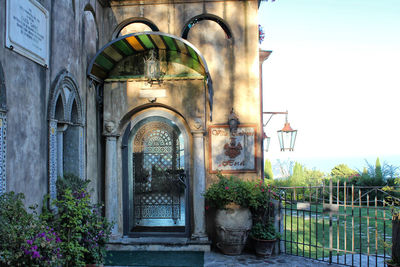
[178, 51]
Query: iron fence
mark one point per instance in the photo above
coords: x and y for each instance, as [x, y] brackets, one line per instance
[348, 225]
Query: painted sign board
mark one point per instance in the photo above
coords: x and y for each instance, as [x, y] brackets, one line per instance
[232, 152]
[28, 30]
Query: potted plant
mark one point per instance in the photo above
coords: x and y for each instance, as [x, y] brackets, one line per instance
[263, 232]
[231, 197]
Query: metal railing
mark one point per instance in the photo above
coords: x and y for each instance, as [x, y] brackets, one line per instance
[348, 225]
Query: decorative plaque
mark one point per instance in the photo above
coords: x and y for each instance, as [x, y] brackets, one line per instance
[232, 152]
[27, 30]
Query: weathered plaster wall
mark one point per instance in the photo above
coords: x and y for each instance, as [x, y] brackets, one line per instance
[27, 84]
[29, 88]
[233, 63]
[187, 97]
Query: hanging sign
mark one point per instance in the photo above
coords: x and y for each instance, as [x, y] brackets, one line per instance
[232, 152]
[27, 30]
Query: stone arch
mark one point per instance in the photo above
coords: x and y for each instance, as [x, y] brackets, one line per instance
[90, 38]
[3, 131]
[193, 21]
[66, 128]
[129, 21]
[137, 110]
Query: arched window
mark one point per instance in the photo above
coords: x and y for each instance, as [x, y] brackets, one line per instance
[3, 130]
[66, 145]
[135, 25]
[201, 17]
[91, 36]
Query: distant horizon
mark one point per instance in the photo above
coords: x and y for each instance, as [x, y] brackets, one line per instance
[326, 164]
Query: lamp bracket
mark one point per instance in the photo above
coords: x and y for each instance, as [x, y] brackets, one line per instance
[272, 113]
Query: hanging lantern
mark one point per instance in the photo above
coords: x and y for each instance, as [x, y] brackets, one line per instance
[233, 122]
[152, 70]
[287, 137]
[267, 140]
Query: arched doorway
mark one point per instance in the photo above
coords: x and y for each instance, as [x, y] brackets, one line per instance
[156, 175]
[119, 67]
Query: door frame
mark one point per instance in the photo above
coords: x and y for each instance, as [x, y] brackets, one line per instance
[183, 127]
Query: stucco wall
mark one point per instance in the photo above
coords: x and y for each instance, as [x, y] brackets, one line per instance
[233, 63]
[29, 87]
[75, 37]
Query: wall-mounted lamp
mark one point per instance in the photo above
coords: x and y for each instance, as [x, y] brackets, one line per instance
[233, 122]
[286, 136]
[266, 140]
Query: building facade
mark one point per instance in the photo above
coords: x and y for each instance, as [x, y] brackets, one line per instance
[136, 97]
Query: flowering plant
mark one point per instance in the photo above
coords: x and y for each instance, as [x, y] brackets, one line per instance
[229, 190]
[25, 239]
[97, 235]
[261, 34]
[43, 249]
[80, 224]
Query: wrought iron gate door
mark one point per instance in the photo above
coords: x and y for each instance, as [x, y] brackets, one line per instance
[159, 181]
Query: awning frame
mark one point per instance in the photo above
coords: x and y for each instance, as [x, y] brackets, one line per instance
[176, 39]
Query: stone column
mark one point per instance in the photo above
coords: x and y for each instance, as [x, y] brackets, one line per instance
[111, 183]
[199, 186]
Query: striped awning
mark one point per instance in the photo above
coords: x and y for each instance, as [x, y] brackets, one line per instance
[178, 51]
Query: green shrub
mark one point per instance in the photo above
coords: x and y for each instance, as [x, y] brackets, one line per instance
[265, 231]
[16, 226]
[72, 182]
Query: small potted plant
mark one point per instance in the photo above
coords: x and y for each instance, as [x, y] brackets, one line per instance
[231, 197]
[263, 232]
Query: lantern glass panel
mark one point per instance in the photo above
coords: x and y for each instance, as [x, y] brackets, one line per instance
[293, 139]
[287, 139]
[267, 140]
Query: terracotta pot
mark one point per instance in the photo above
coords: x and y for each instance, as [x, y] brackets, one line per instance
[232, 226]
[263, 248]
[94, 265]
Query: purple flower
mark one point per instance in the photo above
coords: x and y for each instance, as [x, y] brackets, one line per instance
[34, 247]
[58, 240]
[35, 254]
[29, 242]
[27, 252]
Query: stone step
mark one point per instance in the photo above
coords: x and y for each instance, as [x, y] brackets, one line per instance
[158, 244]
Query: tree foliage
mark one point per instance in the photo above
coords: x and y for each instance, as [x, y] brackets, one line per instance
[342, 170]
[268, 174]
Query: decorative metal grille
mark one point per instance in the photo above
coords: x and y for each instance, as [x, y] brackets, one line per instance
[158, 183]
[3, 149]
[52, 158]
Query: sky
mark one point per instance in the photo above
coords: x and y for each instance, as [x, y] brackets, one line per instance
[335, 66]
